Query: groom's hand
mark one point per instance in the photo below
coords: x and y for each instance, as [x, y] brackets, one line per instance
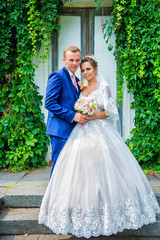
[81, 118]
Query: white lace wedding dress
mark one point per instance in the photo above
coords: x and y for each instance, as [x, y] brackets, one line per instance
[97, 186]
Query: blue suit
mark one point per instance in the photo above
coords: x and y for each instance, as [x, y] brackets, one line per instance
[61, 96]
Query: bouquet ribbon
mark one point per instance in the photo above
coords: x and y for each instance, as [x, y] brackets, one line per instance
[82, 125]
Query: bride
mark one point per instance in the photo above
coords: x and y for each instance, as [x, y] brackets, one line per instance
[97, 186]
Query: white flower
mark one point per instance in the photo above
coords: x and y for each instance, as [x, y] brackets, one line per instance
[86, 105]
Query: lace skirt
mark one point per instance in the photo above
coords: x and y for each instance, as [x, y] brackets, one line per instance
[97, 186]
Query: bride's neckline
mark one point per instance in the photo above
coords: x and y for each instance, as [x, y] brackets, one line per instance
[86, 95]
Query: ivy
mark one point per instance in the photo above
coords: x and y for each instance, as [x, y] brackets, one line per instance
[26, 25]
[136, 24]
[98, 3]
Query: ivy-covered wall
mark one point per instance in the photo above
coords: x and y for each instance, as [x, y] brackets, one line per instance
[25, 25]
[136, 24]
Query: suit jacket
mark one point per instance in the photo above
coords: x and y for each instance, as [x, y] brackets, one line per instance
[61, 96]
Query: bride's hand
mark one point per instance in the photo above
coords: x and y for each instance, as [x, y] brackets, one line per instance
[81, 118]
[92, 117]
[83, 87]
[100, 115]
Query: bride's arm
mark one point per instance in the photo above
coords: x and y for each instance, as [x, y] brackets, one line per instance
[100, 115]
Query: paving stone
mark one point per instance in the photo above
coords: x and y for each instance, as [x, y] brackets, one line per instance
[153, 179]
[24, 196]
[70, 237]
[150, 230]
[29, 191]
[29, 237]
[3, 191]
[19, 214]
[56, 237]
[114, 237]
[8, 179]
[23, 201]
[8, 237]
[21, 221]
[19, 237]
[25, 220]
[36, 177]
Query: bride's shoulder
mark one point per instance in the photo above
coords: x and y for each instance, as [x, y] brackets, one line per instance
[103, 85]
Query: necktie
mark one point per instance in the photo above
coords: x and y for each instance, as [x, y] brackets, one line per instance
[74, 81]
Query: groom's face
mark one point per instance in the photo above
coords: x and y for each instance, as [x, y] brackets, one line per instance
[72, 60]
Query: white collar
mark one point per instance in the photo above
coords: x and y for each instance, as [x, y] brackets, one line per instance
[70, 73]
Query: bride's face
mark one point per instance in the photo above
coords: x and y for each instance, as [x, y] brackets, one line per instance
[88, 71]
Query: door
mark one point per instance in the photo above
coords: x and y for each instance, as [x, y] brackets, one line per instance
[82, 28]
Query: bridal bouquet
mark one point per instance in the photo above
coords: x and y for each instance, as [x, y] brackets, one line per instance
[86, 105]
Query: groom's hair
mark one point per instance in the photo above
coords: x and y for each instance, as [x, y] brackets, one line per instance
[72, 49]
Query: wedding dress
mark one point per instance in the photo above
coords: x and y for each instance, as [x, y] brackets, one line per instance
[97, 186]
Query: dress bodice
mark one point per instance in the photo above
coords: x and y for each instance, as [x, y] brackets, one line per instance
[103, 98]
[95, 96]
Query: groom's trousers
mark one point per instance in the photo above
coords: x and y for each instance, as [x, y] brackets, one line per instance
[57, 145]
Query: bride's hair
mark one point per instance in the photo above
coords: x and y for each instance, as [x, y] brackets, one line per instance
[91, 59]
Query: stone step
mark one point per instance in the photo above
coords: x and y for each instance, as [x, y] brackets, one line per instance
[23, 190]
[27, 189]
[25, 221]
[21, 221]
[69, 237]
[30, 190]
[34, 200]
[22, 201]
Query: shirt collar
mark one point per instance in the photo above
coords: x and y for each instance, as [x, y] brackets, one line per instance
[70, 73]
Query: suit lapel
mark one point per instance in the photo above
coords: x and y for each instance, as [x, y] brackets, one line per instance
[78, 86]
[74, 90]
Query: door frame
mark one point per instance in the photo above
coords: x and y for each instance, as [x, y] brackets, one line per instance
[92, 13]
[84, 13]
[70, 12]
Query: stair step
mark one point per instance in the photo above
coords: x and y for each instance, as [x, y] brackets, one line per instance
[25, 196]
[21, 221]
[27, 190]
[30, 200]
[61, 237]
[22, 201]
[30, 190]
[25, 220]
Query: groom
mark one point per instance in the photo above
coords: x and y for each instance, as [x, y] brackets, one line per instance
[61, 94]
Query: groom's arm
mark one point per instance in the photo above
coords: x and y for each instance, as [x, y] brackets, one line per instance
[53, 91]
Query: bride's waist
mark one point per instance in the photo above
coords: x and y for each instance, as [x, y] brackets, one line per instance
[92, 121]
